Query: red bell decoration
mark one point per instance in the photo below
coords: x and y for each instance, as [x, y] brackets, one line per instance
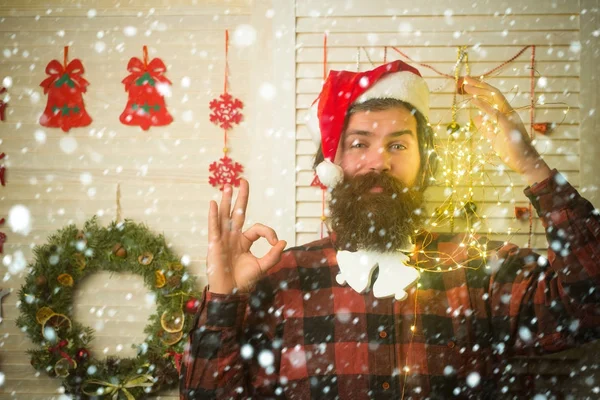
[146, 86]
[192, 305]
[65, 87]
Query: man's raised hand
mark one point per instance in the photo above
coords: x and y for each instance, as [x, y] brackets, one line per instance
[230, 265]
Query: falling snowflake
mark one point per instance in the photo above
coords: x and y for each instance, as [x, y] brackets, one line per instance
[226, 111]
[225, 171]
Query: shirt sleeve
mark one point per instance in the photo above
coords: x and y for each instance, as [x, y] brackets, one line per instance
[542, 305]
[232, 351]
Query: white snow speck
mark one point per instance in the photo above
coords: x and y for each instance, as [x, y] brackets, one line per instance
[16, 263]
[267, 91]
[130, 31]
[473, 379]
[185, 260]
[68, 144]
[247, 351]
[100, 46]
[363, 82]
[85, 178]
[19, 219]
[40, 136]
[1, 379]
[164, 89]
[244, 36]
[92, 13]
[49, 334]
[186, 81]
[266, 358]
[187, 116]
[525, 334]
[542, 82]
[7, 82]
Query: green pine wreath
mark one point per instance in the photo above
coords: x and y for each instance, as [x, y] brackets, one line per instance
[46, 310]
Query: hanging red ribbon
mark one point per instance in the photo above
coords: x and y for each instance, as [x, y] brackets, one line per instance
[58, 348]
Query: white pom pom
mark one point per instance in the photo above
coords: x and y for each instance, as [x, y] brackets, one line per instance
[329, 173]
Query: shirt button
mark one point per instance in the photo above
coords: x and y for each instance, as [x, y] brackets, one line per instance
[451, 344]
[383, 334]
[385, 385]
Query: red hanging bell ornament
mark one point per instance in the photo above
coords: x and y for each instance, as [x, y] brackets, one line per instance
[147, 87]
[65, 87]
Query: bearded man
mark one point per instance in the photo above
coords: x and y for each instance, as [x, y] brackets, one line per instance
[349, 316]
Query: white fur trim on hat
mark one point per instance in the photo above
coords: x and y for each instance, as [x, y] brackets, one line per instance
[329, 174]
[403, 85]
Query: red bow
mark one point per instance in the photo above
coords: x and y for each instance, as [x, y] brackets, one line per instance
[58, 348]
[56, 70]
[177, 358]
[522, 213]
[542, 127]
[156, 68]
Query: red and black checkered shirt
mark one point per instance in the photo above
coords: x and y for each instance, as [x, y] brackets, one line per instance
[300, 335]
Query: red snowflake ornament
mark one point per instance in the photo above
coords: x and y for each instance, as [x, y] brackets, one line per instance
[226, 111]
[225, 171]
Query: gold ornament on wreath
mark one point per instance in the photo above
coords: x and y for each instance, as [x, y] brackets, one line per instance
[46, 310]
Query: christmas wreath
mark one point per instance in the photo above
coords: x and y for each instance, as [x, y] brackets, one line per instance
[46, 310]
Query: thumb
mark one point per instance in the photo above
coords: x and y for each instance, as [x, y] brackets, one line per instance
[267, 261]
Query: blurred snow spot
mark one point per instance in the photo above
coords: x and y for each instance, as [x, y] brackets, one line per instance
[100, 46]
[266, 358]
[68, 144]
[40, 136]
[575, 46]
[1, 379]
[405, 27]
[130, 31]
[343, 315]
[91, 192]
[19, 219]
[270, 13]
[267, 91]
[185, 260]
[247, 351]
[85, 178]
[150, 299]
[92, 369]
[61, 33]
[525, 334]
[542, 82]
[34, 97]
[244, 35]
[372, 38]
[186, 81]
[449, 370]
[49, 334]
[164, 89]
[473, 379]
[7, 82]
[16, 263]
[92, 13]
[540, 396]
[363, 82]
[187, 116]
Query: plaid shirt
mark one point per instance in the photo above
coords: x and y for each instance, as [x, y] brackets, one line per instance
[300, 335]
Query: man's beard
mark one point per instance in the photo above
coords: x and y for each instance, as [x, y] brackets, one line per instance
[382, 221]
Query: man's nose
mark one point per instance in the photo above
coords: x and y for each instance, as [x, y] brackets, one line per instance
[379, 160]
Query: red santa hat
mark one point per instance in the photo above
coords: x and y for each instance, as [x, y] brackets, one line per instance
[342, 89]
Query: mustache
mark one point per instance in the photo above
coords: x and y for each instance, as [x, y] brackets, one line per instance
[364, 183]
